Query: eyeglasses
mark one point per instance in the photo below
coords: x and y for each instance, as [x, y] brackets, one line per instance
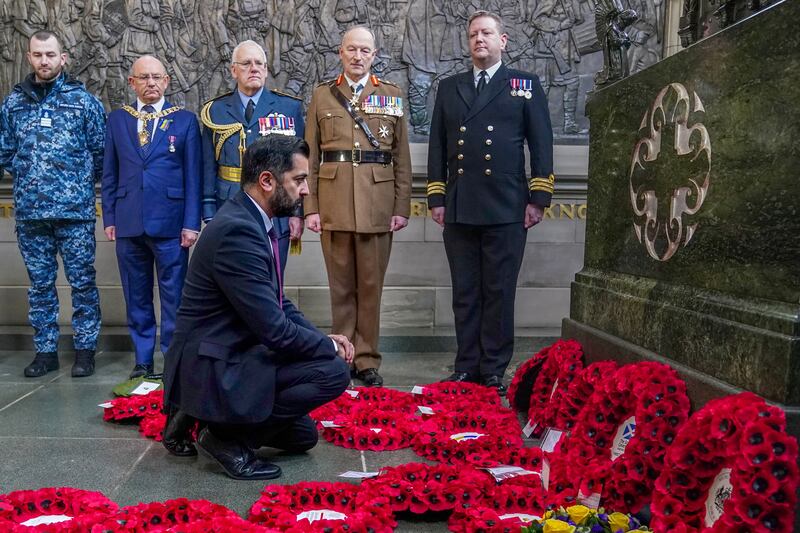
[253, 62]
[154, 77]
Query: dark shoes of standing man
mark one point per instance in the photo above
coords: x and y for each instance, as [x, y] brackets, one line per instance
[487, 381]
[45, 362]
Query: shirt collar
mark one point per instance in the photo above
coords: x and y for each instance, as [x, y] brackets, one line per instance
[489, 71]
[244, 98]
[363, 81]
[157, 106]
[264, 216]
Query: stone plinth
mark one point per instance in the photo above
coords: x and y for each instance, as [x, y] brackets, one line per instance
[693, 240]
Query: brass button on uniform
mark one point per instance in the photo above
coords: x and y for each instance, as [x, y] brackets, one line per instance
[461, 142]
[357, 144]
[488, 142]
[327, 114]
[490, 128]
[356, 126]
[460, 170]
[461, 156]
[488, 157]
[462, 129]
[488, 172]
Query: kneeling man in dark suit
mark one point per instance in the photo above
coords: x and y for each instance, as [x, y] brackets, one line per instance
[243, 360]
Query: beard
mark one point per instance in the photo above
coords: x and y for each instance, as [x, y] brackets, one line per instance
[282, 204]
[48, 76]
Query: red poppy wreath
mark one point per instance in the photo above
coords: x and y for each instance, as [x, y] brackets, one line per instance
[563, 363]
[136, 406]
[324, 507]
[161, 516]
[381, 398]
[521, 386]
[454, 437]
[51, 510]
[366, 428]
[617, 447]
[419, 488]
[219, 524]
[489, 520]
[731, 468]
[445, 392]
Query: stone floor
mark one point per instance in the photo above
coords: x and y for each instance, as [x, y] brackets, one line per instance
[52, 432]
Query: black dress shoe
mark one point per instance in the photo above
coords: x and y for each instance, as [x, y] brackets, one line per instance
[141, 370]
[237, 460]
[370, 377]
[459, 377]
[42, 363]
[496, 382]
[84, 364]
[177, 432]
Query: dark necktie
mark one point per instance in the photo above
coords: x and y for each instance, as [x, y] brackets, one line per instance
[149, 125]
[481, 81]
[273, 239]
[357, 89]
[248, 112]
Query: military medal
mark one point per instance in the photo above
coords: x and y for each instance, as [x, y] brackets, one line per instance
[354, 101]
[514, 85]
[172, 144]
[383, 131]
[262, 126]
[377, 104]
[276, 123]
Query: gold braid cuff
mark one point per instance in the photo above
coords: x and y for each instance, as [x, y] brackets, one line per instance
[225, 132]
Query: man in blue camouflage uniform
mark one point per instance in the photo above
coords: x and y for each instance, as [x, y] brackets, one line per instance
[51, 142]
[233, 121]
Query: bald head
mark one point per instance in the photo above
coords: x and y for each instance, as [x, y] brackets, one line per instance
[148, 79]
[357, 52]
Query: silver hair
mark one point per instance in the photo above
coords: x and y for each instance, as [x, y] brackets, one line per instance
[247, 43]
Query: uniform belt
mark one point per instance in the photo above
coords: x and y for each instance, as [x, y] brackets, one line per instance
[230, 173]
[356, 156]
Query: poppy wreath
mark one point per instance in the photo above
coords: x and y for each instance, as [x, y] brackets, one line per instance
[367, 428]
[454, 437]
[519, 495]
[521, 386]
[83, 508]
[488, 520]
[161, 516]
[381, 398]
[318, 506]
[419, 488]
[136, 406]
[564, 361]
[617, 447]
[152, 427]
[219, 524]
[448, 391]
[563, 410]
[731, 468]
[527, 458]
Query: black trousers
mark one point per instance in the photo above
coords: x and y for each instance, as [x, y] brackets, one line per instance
[300, 387]
[484, 266]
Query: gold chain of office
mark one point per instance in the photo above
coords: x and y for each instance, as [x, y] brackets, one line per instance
[146, 117]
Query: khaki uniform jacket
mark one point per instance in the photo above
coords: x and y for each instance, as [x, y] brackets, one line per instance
[359, 198]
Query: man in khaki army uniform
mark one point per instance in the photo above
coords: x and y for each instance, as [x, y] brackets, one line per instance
[359, 190]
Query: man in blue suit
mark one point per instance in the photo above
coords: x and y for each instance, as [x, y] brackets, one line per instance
[151, 203]
[244, 361]
[233, 121]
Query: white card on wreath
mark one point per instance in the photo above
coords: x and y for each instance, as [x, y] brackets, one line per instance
[353, 474]
[330, 424]
[352, 392]
[418, 390]
[107, 405]
[550, 439]
[146, 387]
[503, 472]
[425, 410]
[592, 501]
[545, 474]
[529, 428]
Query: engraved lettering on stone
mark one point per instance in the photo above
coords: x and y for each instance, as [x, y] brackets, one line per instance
[670, 172]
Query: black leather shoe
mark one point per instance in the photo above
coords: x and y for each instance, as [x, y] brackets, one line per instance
[370, 377]
[43, 363]
[177, 431]
[458, 377]
[84, 364]
[496, 382]
[141, 370]
[237, 460]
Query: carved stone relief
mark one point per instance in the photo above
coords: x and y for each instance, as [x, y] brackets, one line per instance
[419, 41]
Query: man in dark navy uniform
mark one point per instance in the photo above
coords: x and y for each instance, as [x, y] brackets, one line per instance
[479, 192]
[233, 121]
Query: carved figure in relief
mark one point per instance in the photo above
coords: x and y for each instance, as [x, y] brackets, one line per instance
[612, 20]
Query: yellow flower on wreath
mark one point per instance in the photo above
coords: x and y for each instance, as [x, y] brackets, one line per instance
[579, 513]
[619, 522]
[557, 526]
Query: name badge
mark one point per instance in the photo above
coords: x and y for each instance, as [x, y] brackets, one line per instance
[46, 119]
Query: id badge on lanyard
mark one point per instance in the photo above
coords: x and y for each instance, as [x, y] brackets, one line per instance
[46, 118]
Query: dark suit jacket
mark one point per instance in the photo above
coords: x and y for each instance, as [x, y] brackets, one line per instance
[231, 331]
[476, 157]
[157, 194]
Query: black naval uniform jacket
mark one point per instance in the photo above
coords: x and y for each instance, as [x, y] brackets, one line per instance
[476, 157]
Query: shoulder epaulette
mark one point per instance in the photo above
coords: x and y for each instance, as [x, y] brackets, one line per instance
[217, 97]
[281, 93]
[387, 82]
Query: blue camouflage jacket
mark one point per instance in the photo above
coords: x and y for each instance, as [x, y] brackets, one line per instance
[53, 149]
